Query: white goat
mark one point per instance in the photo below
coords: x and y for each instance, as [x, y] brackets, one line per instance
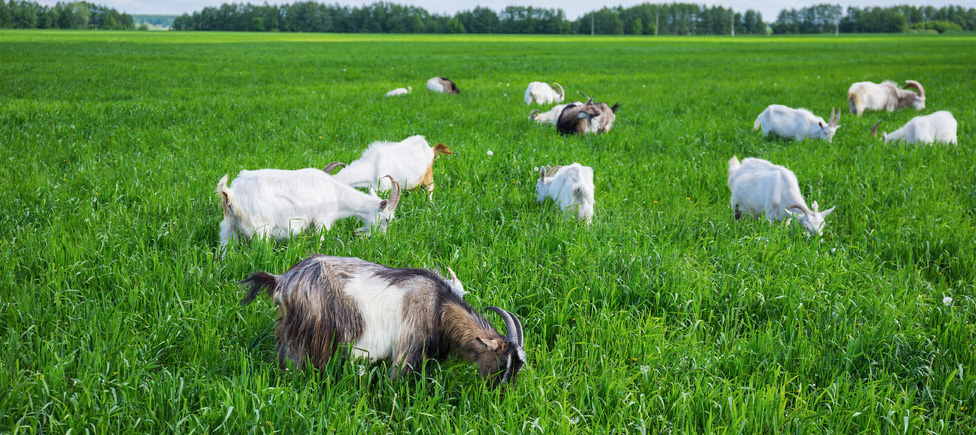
[762, 188]
[937, 127]
[884, 96]
[542, 93]
[400, 91]
[570, 186]
[383, 313]
[442, 85]
[278, 203]
[409, 162]
[551, 116]
[798, 124]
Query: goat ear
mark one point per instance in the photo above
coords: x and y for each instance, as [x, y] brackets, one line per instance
[821, 124]
[491, 344]
[827, 211]
[383, 204]
[542, 173]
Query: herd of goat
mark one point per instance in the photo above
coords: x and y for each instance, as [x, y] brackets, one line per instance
[410, 316]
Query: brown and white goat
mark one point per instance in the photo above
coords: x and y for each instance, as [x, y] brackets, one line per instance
[406, 315]
[587, 118]
[442, 85]
[884, 96]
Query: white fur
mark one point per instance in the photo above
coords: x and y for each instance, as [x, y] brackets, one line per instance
[572, 189]
[552, 115]
[399, 91]
[798, 124]
[937, 127]
[440, 85]
[760, 188]
[376, 299]
[406, 161]
[542, 93]
[278, 203]
[863, 96]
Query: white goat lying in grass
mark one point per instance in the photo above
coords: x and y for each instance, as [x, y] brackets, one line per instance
[937, 127]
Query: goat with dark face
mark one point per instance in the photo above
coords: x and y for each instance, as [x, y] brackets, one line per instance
[406, 315]
[586, 118]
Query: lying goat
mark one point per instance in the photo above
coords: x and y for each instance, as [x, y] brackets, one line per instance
[409, 162]
[551, 116]
[277, 203]
[542, 93]
[400, 91]
[884, 96]
[405, 315]
[937, 127]
[762, 188]
[798, 124]
[442, 85]
[571, 187]
[587, 118]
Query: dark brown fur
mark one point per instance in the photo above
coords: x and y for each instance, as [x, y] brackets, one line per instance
[314, 316]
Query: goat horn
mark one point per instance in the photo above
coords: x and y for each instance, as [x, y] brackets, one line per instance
[918, 87]
[802, 208]
[552, 171]
[838, 118]
[589, 98]
[395, 196]
[562, 92]
[533, 113]
[331, 166]
[874, 130]
[513, 328]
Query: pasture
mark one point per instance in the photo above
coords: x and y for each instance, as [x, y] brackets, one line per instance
[664, 316]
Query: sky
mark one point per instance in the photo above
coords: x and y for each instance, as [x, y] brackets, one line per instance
[573, 8]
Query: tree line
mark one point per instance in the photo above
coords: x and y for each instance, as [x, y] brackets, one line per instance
[385, 17]
[63, 15]
[827, 18]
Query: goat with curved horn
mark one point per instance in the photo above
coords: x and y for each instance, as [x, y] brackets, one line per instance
[331, 167]
[562, 92]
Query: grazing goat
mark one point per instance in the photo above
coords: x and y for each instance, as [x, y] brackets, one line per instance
[587, 118]
[884, 96]
[400, 91]
[405, 315]
[409, 162]
[542, 93]
[762, 188]
[798, 124]
[278, 203]
[442, 85]
[937, 127]
[570, 186]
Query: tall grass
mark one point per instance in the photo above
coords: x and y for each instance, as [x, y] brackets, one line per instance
[665, 315]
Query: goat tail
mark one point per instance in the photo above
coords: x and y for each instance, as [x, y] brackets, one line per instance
[226, 196]
[757, 124]
[260, 281]
[853, 99]
[733, 165]
[442, 150]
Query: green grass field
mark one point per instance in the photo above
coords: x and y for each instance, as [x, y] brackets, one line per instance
[664, 316]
